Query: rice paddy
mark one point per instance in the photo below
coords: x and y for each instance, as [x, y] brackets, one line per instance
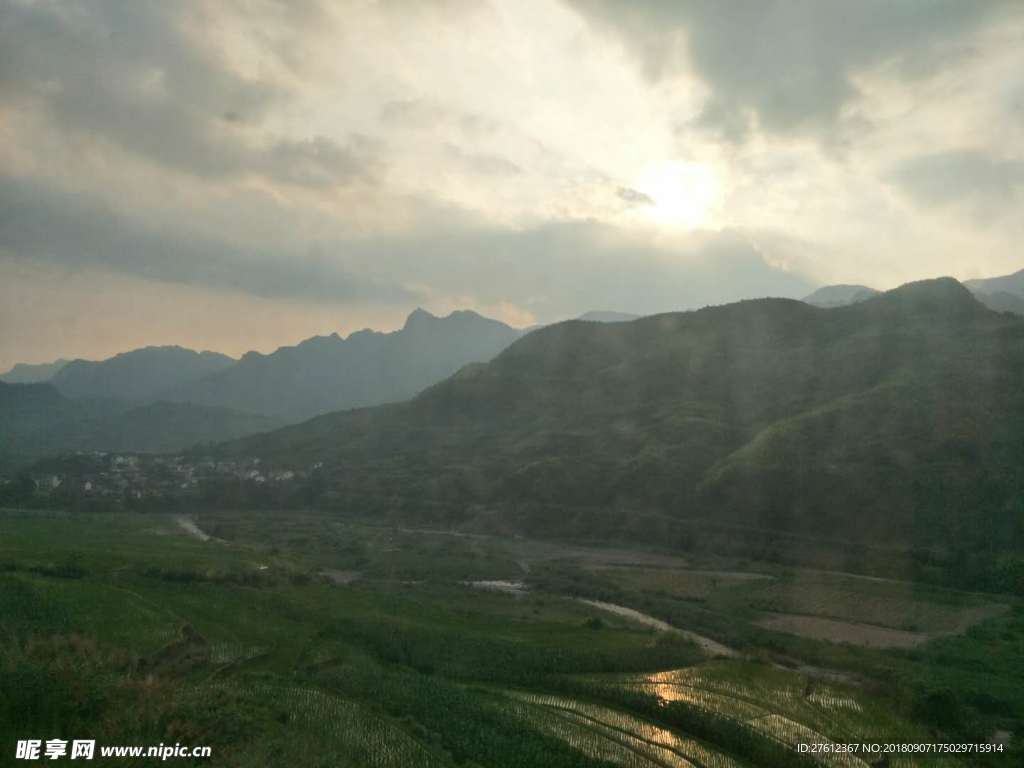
[627, 739]
[136, 628]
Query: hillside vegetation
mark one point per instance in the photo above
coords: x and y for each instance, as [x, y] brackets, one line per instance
[896, 421]
[37, 421]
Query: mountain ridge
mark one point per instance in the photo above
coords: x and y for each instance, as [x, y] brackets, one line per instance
[325, 373]
[1012, 283]
[1002, 294]
[839, 294]
[768, 414]
[138, 375]
[33, 373]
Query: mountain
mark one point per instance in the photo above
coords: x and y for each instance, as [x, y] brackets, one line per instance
[1002, 294]
[163, 427]
[1006, 284]
[600, 316]
[894, 421]
[27, 373]
[36, 420]
[329, 373]
[1002, 301]
[839, 295]
[140, 375]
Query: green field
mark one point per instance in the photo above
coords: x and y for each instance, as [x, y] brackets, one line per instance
[305, 639]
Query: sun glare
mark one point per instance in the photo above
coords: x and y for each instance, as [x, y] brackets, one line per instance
[682, 194]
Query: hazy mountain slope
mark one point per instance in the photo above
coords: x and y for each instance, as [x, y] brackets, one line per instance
[29, 419]
[1001, 301]
[1002, 294]
[162, 426]
[139, 375]
[1005, 284]
[36, 420]
[839, 295]
[328, 373]
[28, 373]
[896, 419]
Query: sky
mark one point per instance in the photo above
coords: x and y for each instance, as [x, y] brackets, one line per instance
[243, 174]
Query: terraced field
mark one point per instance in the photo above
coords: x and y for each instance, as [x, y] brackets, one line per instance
[616, 736]
[777, 704]
[345, 732]
[135, 629]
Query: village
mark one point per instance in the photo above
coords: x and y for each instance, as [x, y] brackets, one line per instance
[132, 478]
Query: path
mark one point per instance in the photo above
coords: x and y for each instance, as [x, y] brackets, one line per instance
[705, 643]
[189, 525]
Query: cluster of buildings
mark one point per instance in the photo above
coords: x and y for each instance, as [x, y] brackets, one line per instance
[113, 476]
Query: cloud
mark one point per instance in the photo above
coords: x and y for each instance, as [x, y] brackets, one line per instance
[789, 63]
[557, 269]
[483, 163]
[549, 270]
[49, 311]
[141, 77]
[357, 158]
[318, 162]
[49, 226]
[986, 184]
[420, 114]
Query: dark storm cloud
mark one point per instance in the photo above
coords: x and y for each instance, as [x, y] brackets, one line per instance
[985, 183]
[48, 226]
[134, 75]
[789, 62]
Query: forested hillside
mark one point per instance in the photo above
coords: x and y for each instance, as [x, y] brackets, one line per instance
[897, 420]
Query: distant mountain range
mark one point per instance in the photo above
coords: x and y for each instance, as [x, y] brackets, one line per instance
[141, 375]
[124, 402]
[895, 420]
[330, 373]
[1002, 294]
[168, 398]
[36, 420]
[840, 295]
[1002, 301]
[1006, 284]
[153, 372]
[27, 373]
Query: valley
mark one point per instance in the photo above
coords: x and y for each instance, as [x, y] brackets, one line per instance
[602, 656]
[713, 538]
[503, 384]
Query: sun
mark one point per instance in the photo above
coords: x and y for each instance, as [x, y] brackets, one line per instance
[682, 194]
